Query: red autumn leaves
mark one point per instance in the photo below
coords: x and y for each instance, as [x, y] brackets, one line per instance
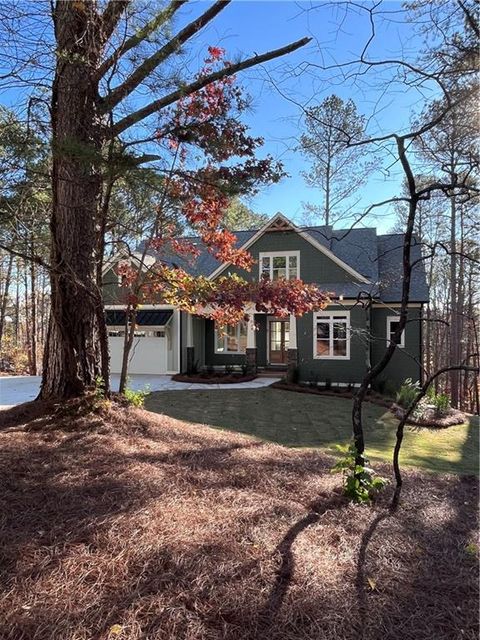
[214, 159]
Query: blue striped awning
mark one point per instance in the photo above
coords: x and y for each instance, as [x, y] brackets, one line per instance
[148, 317]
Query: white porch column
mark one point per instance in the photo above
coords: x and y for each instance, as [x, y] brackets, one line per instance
[189, 330]
[251, 350]
[190, 349]
[251, 334]
[293, 332]
[292, 355]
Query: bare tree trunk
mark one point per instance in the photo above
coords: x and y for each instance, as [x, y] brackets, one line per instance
[454, 337]
[370, 376]
[17, 304]
[6, 290]
[28, 342]
[130, 322]
[72, 360]
[33, 331]
[327, 194]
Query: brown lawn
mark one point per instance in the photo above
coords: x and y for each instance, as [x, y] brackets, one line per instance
[126, 524]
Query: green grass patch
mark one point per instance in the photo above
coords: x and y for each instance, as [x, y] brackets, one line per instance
[305, 420]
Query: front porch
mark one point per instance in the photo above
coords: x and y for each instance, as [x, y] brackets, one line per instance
[266, 343]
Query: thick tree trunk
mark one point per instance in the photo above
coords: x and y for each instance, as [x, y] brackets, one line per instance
[72, 359]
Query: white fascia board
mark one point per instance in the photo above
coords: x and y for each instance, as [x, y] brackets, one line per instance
[125, 255]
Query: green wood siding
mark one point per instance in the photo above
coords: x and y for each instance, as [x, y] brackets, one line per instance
[315, 267]
[347, 371]
[404, 362]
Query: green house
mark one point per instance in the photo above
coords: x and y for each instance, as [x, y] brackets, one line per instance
[363, 273]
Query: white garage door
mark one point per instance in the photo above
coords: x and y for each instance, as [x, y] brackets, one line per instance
[147, 355]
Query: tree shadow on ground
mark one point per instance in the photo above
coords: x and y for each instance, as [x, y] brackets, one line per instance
[185, 533]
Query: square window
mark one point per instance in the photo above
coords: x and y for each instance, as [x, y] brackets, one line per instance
[276, 266]
[332, 335]
[231, 338]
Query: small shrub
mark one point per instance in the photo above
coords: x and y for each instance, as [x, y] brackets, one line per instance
[431, 395]
[472, 549]
[407, 393]
[328, 384]
[99, 387]
[441, 402]
[248, 368]
[136, 398]
[360, 483]
[229, 369]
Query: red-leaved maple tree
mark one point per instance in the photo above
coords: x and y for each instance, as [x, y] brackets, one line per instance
[203, 134]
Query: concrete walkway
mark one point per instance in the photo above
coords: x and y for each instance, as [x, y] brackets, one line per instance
[17, 389]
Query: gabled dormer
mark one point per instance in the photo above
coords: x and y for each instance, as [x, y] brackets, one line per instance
[282, 249]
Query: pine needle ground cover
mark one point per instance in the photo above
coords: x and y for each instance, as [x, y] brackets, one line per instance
[127, 524]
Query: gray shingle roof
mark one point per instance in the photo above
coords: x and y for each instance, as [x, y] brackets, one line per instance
[377, 257]
[390, 252]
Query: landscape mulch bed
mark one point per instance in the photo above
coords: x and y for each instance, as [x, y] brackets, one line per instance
[212, 378]
[126, 524]
[432, 420]
[372, 396]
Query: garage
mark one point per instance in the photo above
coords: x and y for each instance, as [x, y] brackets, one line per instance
[152, 345]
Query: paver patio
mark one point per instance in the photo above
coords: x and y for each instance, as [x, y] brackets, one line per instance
[305, 420]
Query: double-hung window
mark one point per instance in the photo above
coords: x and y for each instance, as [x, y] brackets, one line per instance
[231, 338]
[282, 264]
[392, 326]
[331, 335]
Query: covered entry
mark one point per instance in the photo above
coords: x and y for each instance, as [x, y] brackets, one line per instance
[278, 340]
[150, 349]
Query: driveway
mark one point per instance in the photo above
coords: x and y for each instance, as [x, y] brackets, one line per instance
[17, 389]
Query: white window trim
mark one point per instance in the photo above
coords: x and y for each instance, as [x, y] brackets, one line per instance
[390, 319]
[277, 254]
[225, 352]
[329, 314]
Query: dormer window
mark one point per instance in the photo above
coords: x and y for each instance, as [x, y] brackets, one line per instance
[277, 265]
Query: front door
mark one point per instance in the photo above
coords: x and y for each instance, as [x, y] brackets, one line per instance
[279, 338]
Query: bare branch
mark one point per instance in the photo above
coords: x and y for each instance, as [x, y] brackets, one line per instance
[140, 35]
[151, 63]
[231, 70]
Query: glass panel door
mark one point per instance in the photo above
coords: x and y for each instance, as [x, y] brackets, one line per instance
[279, 331]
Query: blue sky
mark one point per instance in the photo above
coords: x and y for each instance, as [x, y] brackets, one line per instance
[279, 88]
[253, 26]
